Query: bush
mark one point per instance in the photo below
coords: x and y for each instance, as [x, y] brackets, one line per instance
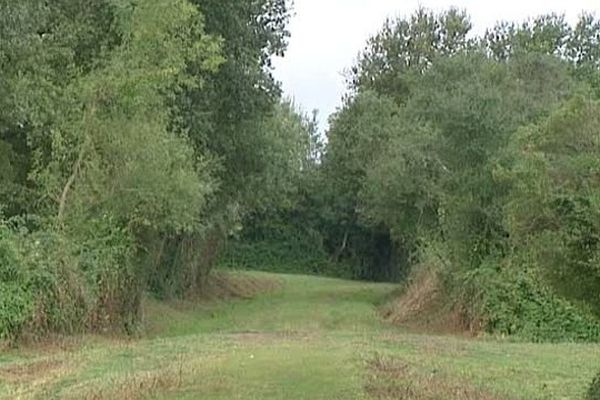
[178, 266]
[106, 258]
[282, 256]
[53, 283]
[16, 306]
[515, 302]
[16, 303]
[54, 280]
[594, 390]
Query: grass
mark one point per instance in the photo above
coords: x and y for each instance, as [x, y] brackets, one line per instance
[307, 338]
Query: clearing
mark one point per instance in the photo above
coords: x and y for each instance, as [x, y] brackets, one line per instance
[306, 338]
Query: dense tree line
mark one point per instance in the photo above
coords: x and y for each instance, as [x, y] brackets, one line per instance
[142, 142]
[134, 137]
[477, 157]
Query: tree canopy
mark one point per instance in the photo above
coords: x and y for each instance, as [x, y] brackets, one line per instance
[142, 143]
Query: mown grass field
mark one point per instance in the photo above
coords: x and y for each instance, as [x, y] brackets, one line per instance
[309, 338]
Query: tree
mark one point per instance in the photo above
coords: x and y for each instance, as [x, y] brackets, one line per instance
[233, 120]
[546, 34]
[89, 144]
[553, 212]
[224, 117]
[43, 49]
[475, 105]
[405, 48]
[357, 135]
[551, 35]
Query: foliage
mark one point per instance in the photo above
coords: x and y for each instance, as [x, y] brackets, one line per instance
[317, 333]
[107, 161]
[15, 303]
[551, 35]
[235, 120]
[54, 285]
[357, 136]
[117, 108]
[281, 245]
[514, 302]
[226, 116]
[281, 234]
[445, 142]
[554, 207]
[594, 389]
[405, 48]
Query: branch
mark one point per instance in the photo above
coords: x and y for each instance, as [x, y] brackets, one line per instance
[68, 185]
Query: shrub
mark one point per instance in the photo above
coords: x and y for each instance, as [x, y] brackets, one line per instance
[53, 279]
[16, 303]
[67, 282]
[283, 256]
[594, 389]
[515, 302]
[178, 265]
[106, 258]
[16, 306]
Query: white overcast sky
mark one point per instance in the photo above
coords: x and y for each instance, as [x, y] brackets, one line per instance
[328, 34]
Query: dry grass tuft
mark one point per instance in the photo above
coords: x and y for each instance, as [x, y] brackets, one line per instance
[423, 293]
[31, 379]
[135, 386]
[170, 377]
[23, 372]
[423, 306]
[392, 379]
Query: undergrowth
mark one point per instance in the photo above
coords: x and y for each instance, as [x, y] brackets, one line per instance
[516, 302]
[509, 302]
[49, 284]
[594, 389]
[282, 256]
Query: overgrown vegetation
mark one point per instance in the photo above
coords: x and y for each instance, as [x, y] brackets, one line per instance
[134, 136]
[141, 143]
[319, 338]
[476, 155]
[594, 390]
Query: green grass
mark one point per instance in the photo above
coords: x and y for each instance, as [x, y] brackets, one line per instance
[313, 338]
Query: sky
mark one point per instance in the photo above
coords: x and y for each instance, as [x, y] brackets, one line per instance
[327, 36]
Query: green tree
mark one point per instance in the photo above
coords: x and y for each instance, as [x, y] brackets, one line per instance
[551, 35]
[546, 34]
[358, 133]
[44, 48]
[86, 130]
[225, 116]
[405, 48]
[554, 209]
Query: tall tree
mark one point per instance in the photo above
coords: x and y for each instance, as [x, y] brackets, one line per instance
[553, 212]
[225, 115]
[405, 48]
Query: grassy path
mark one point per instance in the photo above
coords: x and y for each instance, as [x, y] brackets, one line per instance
[314, 338]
